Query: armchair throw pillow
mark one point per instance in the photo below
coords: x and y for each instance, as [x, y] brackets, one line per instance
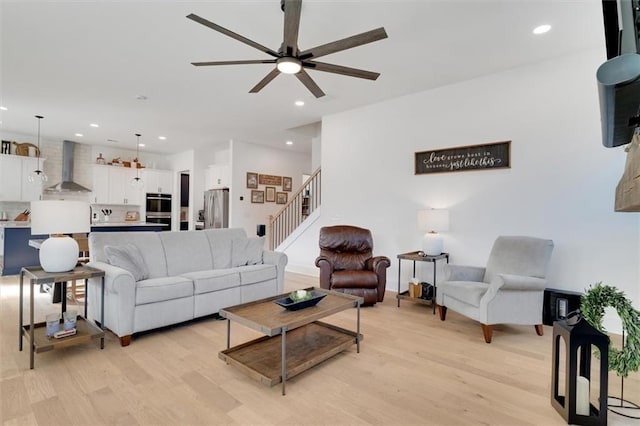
[128, 257]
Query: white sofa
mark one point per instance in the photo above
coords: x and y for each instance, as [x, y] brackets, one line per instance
[190, 274]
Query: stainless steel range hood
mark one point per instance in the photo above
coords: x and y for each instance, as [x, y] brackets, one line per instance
[67, 184]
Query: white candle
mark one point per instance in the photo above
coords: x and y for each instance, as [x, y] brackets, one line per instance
[582, 396]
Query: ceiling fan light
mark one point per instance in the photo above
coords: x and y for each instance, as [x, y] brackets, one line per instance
[289, 65]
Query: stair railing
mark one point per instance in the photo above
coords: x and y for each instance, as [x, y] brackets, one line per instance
[297, 209]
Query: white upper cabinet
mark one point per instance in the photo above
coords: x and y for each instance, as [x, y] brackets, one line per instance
[157, 181]
[14, 173]
[112, 185]
[217, 176]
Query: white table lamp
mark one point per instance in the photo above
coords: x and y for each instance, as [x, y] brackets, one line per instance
[433, 221]
[59, 253]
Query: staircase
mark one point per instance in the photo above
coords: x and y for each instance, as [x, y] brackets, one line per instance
[299, 207]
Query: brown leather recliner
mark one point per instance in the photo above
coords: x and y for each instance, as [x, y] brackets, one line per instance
[347, 264]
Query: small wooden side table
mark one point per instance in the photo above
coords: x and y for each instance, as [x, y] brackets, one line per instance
[415, 257]
[36, 333]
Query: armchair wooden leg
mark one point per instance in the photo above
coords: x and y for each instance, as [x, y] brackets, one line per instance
[125, 340]
[539, 329]
[487, 332]
[442, 311]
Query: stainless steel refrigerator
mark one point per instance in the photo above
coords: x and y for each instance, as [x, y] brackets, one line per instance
[216, 208]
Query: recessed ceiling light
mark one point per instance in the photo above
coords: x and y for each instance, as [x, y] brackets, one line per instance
[79, 135]
[94, 125]
[541, 29]
[289, 142]
[141, 145]
[299, 103]
[162, 138]
[4, 108]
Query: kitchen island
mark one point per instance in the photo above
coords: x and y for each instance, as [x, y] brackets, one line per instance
[15, 252]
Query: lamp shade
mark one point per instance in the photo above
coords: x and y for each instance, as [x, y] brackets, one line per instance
[433, 220]
[60, 217]
[57, 217]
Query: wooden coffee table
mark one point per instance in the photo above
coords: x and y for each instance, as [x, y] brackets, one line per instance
[294, 341]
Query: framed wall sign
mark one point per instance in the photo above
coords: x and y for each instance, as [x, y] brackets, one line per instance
[6, 147]
[270, 194]
[463, 158]
[257, 196]
[270, 180]
[252, 180]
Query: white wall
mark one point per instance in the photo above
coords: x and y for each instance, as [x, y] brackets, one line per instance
[561, 184]
[246, 157]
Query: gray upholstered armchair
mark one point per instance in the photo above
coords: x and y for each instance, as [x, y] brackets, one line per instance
[508, 291]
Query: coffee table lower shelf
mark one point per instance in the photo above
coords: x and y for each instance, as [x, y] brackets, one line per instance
[307, 346]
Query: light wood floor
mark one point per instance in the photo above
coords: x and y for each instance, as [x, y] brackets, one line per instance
[413, 369]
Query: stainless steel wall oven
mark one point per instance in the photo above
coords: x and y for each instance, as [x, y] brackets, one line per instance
[159, 209]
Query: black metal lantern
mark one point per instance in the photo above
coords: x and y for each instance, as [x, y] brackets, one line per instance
[579, 337]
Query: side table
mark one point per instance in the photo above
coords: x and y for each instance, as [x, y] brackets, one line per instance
[36, 333]
[415, 257]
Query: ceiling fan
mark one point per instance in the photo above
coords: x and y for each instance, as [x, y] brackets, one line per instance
[291, 60]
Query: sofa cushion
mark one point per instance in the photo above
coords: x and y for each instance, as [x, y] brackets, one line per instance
[468, 292]
[129, 258]
[246, 251]
[147, 242]
[220, 244]
[354, 279]
[186, 252]
[161, 289]
[252, 274]
[213, 280]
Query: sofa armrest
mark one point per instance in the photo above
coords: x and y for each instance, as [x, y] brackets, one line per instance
[280, 260]
[463, 273]
[326, 269]
[120, 298]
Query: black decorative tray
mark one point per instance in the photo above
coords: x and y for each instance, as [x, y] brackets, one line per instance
[290, 305]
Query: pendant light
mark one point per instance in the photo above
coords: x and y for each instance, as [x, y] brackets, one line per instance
[136, 182]
[38, 176]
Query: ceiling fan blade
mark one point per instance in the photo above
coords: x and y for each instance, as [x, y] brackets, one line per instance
[339, 69]
[256, 61]
[291, 26]
[310, 84]
[344, 44]
[258, 87]
[231, 34]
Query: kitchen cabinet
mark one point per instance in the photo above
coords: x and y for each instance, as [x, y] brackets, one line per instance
[112, 185]
[14, 173]
[157, 181]
[217, 176]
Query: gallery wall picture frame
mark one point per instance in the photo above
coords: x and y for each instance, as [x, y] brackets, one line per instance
[287, 184]
[252, 180]
[281, 198]
[270, 194]
[257, 196]
[269, 180]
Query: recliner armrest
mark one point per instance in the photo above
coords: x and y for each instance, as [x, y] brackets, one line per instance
[519, 282]
[377, 264]
[464, 273]
[326, 269]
